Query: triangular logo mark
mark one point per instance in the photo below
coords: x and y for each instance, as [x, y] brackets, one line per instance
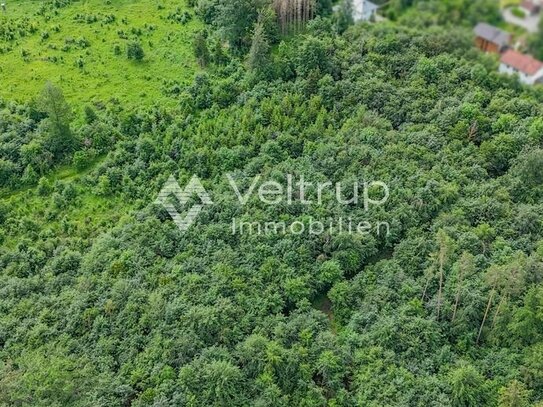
[194, 187]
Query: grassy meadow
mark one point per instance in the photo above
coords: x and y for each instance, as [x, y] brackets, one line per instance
[82, 47]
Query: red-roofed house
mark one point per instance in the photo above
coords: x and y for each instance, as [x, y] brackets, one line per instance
[529, 69]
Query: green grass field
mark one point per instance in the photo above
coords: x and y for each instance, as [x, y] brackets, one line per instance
[89, 216]
[82, 48]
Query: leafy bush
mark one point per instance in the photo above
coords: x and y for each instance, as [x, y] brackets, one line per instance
[135, 51]
[517, 12]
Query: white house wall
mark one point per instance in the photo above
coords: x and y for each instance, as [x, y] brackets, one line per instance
[524, 78]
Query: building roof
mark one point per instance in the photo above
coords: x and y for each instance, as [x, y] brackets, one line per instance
[492, 34]
[522, 62]
[530, 6]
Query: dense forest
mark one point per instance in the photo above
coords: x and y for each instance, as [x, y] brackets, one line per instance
[105, 302]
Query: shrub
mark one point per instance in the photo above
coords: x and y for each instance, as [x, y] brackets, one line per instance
[81, 160]
[30, 176]
[44, 187]
[135, 51]
[517, 12]
[82, 42]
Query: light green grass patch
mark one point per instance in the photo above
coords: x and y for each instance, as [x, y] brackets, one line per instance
[509, 3]
[103, 75]
[88, 216]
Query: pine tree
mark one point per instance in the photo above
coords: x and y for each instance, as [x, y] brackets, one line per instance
[235, 18]
[268, 18]
[218, 55]
[515, 394]
[60, 140]
[201, 52]
[466, 266]
[493, 277]
[259, 56]
[507, 280]
[445, 250]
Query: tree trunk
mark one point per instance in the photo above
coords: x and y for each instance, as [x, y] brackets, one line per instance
[440, 292]
[458, 290]
[498, 308]
[425, 289]
[490, 298]
[293, 14]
